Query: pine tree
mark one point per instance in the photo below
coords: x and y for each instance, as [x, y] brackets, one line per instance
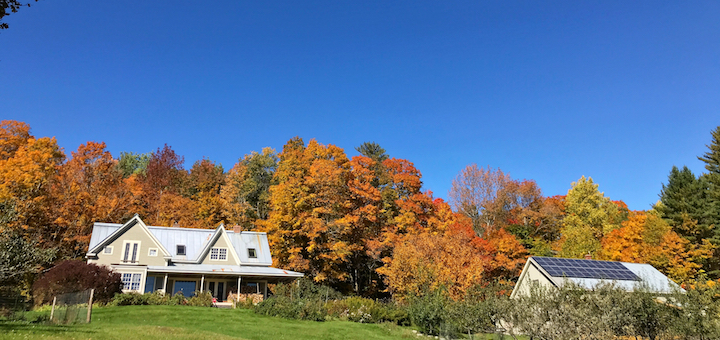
[712, 157]
[682, 202]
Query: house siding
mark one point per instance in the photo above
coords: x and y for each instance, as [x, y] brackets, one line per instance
[222, 243]
[135, 233]
[532, 274]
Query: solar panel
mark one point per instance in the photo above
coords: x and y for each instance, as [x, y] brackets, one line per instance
[588, 269]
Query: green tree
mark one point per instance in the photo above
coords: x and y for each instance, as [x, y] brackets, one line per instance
[131, 163]
[711, 158]
[246, 194]
[590, 215]
[373, 151]
[20, 259]
[684, 203]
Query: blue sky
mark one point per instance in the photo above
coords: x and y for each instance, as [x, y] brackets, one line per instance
[617, 90]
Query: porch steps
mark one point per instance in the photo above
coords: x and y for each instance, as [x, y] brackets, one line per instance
[225, 305]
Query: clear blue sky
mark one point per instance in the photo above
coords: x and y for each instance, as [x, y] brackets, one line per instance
[617, 90]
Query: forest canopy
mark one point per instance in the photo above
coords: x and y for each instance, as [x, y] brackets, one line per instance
[362, 225]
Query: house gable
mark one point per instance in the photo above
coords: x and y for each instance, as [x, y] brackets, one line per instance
[219, 242]
[133, 238]
[532, 274]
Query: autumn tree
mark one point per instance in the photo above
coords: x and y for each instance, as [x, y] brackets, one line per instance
[427, 261]
[26, 168]
[589, 216]
[205, 180]
[13, 135]
[246, 194]
[493, 200]
[88, 188]
[647, 238]
[164, 193]
[305, 225]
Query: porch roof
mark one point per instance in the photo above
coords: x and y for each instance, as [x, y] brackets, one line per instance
[226, 270]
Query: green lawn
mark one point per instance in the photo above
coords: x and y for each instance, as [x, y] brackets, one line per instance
[182, 322]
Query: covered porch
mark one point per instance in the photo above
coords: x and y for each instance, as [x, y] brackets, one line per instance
[225, 284]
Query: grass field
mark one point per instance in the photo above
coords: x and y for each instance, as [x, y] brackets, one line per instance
[181, 322]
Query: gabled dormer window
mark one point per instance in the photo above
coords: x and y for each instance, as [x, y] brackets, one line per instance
[252, 253]
[180, 249]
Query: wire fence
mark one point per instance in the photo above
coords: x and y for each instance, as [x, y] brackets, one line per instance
[71, 308]
[12, 304]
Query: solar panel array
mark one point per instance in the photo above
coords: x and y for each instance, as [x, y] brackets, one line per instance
[588, 269]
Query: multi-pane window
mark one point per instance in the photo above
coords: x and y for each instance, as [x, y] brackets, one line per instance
[180, 249]
[152, 252]
[131, 251]
[108, 250]
[218, 254]
[251, 253]
[131, 281]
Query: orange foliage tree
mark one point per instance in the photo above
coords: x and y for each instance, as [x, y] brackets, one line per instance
[646, 238]
[27, 166]
[88, 188]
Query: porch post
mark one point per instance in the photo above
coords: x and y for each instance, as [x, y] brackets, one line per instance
[238, 288]
[202, 283]
[165, 285]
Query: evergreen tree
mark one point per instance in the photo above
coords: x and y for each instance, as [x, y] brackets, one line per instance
[373, 151]
[682, 202]
[712, 157]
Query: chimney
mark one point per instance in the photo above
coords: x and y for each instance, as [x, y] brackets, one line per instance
[588, 256]
[176, 224]
[237, 229]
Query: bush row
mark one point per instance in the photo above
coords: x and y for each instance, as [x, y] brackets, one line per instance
[203, 299]
[608, 312]
[307, 301]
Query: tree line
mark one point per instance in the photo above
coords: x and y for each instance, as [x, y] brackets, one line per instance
[362, 225]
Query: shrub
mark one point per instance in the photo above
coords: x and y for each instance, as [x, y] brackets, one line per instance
[204, 299]
[129, 299]
[73, 276]
[427, 312]
[156, 298]
[364, 310]
[305, 288]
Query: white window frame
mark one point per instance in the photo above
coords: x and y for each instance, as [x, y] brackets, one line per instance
[108, 250]
[150, 251]
[184, 250]
[125, 249]
[218, 254]
[130, 279]
[254, 255]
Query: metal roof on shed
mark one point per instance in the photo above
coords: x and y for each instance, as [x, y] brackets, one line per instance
[649, 278]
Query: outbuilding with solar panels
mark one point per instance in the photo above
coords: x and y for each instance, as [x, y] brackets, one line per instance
[587, 273]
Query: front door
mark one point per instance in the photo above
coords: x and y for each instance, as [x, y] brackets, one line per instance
[217, 289]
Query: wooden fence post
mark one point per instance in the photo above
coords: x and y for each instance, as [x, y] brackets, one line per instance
[92, 292]
[52, 311]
